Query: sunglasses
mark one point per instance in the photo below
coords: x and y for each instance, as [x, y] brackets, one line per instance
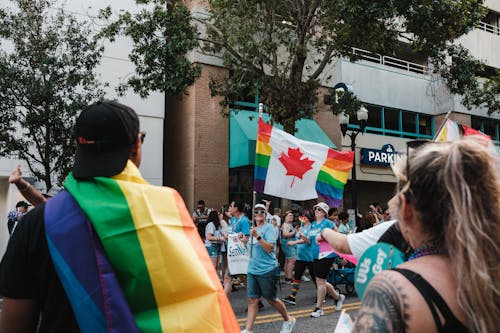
[259, 211]
[318, 209]
[142, 136]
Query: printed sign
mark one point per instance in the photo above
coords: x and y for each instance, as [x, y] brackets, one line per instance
[237, 255]
[385, 156]
[379, 257]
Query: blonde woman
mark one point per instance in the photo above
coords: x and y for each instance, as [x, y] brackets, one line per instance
[448, 207]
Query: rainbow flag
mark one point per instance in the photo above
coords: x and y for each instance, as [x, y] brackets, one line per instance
[449, 132]
[295, 169]
[161, 265]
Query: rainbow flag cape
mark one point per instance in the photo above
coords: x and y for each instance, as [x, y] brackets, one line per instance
[295, 169]
[159, 277]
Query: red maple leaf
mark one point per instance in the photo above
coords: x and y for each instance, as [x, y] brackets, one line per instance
[294, 165]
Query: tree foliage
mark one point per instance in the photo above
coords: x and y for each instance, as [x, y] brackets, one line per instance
[47, 76]
[162, 35]
[283, 46]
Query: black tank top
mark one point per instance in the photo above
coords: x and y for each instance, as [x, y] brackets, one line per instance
[436, 303]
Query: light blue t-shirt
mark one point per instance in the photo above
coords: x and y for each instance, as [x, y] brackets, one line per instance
[344, 229]
[304, 252]
[262, 262]
[316, 228]
[239, 224]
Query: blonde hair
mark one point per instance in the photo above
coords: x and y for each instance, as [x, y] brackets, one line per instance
[455, 189]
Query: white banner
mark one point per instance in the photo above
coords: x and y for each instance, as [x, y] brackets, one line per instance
[237, 255]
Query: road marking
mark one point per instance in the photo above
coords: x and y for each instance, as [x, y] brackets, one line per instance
[299, 313]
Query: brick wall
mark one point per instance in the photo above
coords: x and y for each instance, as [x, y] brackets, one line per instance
[196, 145]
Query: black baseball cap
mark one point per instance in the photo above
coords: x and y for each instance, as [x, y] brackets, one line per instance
[22, 204]
[105, 132]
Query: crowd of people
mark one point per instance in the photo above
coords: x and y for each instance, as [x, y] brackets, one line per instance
[445, 229]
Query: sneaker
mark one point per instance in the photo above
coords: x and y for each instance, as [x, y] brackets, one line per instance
[317, 313]
[289, 300]
[288, 325]
[305, 278]
[316, 300]
[340, 302]
[245, 331]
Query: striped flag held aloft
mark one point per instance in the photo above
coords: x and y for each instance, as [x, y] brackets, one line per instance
[295, 169]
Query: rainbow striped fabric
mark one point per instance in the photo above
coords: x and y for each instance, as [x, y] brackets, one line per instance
[161, 265]
[299, 170]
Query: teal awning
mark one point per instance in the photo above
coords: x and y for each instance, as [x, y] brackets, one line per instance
[243, 135]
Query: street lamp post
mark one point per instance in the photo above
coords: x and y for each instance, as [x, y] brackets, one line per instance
[362, 115]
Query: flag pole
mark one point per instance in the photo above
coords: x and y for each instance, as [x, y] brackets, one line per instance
[442, 125]
[261, 111]
[253, 222]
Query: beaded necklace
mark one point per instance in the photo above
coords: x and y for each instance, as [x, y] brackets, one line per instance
[423, 251]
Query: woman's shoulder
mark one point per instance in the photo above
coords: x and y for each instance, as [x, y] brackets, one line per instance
[385, 307]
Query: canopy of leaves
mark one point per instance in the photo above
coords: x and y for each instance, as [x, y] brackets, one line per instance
[47, 63]
[283, 46]
[162, 35]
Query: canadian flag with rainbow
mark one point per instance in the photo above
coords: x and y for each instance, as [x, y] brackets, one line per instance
[295, 169]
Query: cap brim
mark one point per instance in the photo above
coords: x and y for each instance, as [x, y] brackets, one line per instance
[102, 164]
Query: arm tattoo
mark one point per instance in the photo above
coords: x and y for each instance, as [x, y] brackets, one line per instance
[384, 308]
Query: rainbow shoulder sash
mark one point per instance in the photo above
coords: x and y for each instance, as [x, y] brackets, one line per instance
[153, 247]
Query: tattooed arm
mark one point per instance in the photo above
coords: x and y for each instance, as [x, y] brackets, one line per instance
[384, 308]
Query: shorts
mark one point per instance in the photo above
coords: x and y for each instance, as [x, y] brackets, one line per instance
[213, 250]
[265, 285]
[289, 251]
[322, 267]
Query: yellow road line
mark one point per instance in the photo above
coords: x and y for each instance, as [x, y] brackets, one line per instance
[299, 313]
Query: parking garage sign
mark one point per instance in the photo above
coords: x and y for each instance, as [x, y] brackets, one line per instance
[383, 157]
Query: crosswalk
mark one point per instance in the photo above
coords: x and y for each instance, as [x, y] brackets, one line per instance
[299, 313]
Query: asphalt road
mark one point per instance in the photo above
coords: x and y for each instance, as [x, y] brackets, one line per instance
[269, 320]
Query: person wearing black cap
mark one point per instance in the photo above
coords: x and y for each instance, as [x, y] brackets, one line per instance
[107, 135]
[15, 215]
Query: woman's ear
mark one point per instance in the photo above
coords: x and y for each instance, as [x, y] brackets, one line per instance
[407, 210]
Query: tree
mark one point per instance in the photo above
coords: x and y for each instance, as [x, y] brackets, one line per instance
[283, 46]
[162, 35]
[47, 76]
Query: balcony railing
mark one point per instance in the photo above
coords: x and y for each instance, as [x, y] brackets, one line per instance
[489, 28]
[390, 61]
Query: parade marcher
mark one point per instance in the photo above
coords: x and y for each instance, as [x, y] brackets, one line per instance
[214, 237]
[224, 228]
[304, 255]
[29, 192]
[333, 215]
[448, 207]
[344, 220]
[263, 271]
[15, 216]
[323, 261]
[238, 224]
[290, 250]
[96, 257]
[200, 215]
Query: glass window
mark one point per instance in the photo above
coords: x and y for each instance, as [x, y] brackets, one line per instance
[425, 124]
[489, 126]
[374, 116]
[241, 183]
[409, 119]
[391, 117]
[476, 123]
